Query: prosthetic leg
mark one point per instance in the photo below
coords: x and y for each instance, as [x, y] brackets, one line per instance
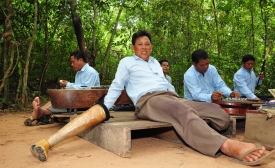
[87, 119]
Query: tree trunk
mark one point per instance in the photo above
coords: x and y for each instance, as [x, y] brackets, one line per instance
[93, 52]
[217, 28]
[264, 18]
[252, 26]
[8, 63]
[77, 26]
[103, 69]
[46, 51]
[24, 97]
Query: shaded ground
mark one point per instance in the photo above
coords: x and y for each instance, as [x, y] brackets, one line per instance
[148, 152]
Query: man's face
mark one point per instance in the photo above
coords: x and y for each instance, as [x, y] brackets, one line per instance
[248, 65]
[202, 65]
[142, 47]
[76, 64]
[165, 67]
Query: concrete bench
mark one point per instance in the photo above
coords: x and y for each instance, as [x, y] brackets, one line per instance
[116, 134]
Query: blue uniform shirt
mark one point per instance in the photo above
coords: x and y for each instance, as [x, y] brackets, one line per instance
[245, 82]
[200, 88]
[87, 76]
[139, 77]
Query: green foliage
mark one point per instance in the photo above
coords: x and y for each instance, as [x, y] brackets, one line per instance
[178, 28]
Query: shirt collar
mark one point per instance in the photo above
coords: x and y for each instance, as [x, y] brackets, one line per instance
[197, 73]
[84, 67]
[137, 57]
[246, 70]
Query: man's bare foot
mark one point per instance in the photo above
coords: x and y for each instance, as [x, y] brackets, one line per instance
[37, 110]
[236, 149]
[36, 106]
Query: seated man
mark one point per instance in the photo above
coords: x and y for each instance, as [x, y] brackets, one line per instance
[156, 99]
[202, 81]
[245, 80]
[165, 68]
[86, 76]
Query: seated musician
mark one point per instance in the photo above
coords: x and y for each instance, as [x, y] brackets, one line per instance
[86, 76]
[245, 80]
[202, 81]
[155, 99]
[165, 68]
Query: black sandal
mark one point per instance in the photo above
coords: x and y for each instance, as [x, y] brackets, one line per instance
[28, 121]
[46, 119]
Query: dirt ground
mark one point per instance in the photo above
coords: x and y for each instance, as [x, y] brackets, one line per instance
[147, 152]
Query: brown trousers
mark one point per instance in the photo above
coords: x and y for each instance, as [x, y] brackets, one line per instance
[186, 117]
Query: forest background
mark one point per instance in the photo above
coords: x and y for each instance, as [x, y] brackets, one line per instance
[39, 35]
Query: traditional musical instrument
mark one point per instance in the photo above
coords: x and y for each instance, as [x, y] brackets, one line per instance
[239, 106]
[263, 65]
[82, 98]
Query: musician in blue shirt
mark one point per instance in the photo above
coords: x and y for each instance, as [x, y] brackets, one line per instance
[202, 81]
[155, 99]
[86, 76]
[245, 80]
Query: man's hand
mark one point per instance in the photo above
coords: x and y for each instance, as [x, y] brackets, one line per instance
[216, 96]
[261, 75]
[235, 94]
[257, 98]
[63, 83]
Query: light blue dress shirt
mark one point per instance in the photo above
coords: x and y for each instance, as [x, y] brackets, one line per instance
[168, 78]
[139, 77]
[87, 76]
[245, 82]
[200, 88]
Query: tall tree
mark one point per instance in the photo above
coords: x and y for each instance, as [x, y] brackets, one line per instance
[107, 52]
[8, 46]
[77, 26]
[24, 96]
[217, 28]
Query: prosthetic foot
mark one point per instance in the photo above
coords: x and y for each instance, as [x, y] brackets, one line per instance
[40, 150]
[90, 118]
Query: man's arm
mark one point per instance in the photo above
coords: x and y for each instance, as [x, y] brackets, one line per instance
[219, 83]
[121, 77]
[241, 84]
[193, 91]
[89, 77]
[259, 79]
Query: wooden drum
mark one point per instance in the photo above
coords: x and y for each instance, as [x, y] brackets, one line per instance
[239, 106]
[81, 98]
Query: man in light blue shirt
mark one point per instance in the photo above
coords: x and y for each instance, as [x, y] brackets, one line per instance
[245, 80]
[155, 99]
[202, 81]
[86, 76]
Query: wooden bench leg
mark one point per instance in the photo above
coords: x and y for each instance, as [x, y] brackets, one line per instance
[231, 130]
[113, 139]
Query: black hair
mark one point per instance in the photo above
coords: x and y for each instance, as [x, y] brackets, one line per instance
[248, 57]
[161, 61]
[79, 54]
[141, 33]
[199, 54]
